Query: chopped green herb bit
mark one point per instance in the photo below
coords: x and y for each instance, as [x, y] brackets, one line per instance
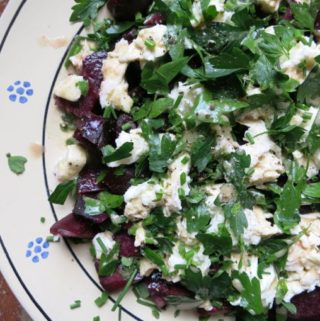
[42, 220]
[16, 163]
[83, 86]
[61, 192]
[102, 300]
[75, 305]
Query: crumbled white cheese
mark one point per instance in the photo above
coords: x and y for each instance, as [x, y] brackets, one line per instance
[313, 168]
[140, 236]
[265, 155]
[197, 14]
[225, 143]
[189, 93]
[200, 260]
[183, 234]
[270, 30]
[68, 89]
[141, 199]
[87, 48]
[140, 146]
[146, 267]
[71, 164]
[249, 265]
[269, 6]
[300, 55]
[251, 90]
[106, 239]
[303, 263]
[258, 226]
[114, 88]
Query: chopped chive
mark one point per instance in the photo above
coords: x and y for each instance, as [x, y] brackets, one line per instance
[120, 314]
[156, 313]
[147, 303]
[149, 43]
[185, 160]
[126, 126]
[125, 290]
[53, 238]
[102, 299]
[249, 138]
[176, 313]
[102, 246]
[108, 111]
[75, 305]
[71, 141]
[97, 318]
[183, 178]
[42, 219]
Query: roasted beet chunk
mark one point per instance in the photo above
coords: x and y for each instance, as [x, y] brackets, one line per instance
[155, 19]
[118, 184]
[159, 289]
[67, 106]
[126, 9]
[130, 35]
[87, 182]
[92, 65]
[308, 307]
[79, 209]
[126, 244]
[75, 227]
[122, 120]
[113, 282]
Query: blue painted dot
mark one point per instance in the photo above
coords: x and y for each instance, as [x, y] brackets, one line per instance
[30, 244]
[37, 249]
[29, 92]
[26, 84]
[44, 255]
[10, 88]
[45, 245]
[39, 240]
[20, 90]
[23, 99]
[35, 259]
[28, 253]
[13, 97]
[18, 82]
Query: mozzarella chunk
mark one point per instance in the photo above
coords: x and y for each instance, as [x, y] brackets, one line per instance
[258, 226]
[68, 89]
[141, 199]
[249, 265]
[106, 239]
[87, 48]
[140, 146]
[189, 93]
[146, 267]
[225, 143]
[269, 6]
[114, 87]
[265, 154]
[299, 55]
[71, 164]
[303, 263]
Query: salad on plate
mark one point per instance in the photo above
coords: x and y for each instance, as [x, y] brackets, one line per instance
[194, 154]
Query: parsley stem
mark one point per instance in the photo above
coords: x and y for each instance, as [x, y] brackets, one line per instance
[125, 290]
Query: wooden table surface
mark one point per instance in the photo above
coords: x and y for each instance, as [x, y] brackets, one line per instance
[10, 309]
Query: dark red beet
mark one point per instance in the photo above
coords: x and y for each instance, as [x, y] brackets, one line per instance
[87, 182]
[126, 243]
[308, 307]
[68, 106]
[92, 65]
[317, 22]
[79, 210]
[124, 119]
[114, 282]
[75, 227]
[130, 35]
[223, 310]
[126, 9]
[119, 184]
[91, 128]
[154, 19]
[288, 14]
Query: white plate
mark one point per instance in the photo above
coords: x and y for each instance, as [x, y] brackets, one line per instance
[46, 278]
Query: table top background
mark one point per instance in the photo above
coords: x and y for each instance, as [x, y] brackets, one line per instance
[10, 309]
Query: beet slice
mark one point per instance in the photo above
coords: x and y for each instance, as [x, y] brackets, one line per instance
[74, 227]
[118, 184]
[79, 210]
[114, 282]
[155, 19]
[126, 243]
[87, 182]
[126, 9]
[68, 106]
[308, 307]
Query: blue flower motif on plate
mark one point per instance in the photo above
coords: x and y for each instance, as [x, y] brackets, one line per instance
[37, 249]
[20, 91]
